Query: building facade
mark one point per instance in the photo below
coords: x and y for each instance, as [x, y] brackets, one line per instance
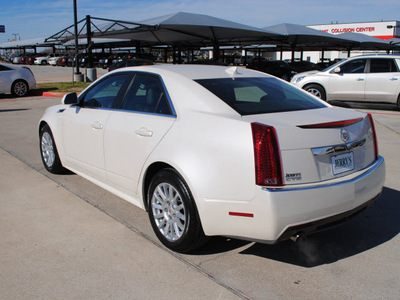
[383, 30]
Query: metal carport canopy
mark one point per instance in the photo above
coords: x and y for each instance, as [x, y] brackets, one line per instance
[299, 37]
[31, 43]
[181, 28]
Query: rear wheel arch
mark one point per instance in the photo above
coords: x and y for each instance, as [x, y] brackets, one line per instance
[41, 125]
[152, 170]
[398, 102]
[173, 211]
[318, 88]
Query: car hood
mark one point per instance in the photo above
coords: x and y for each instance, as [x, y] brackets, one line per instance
[313, 72]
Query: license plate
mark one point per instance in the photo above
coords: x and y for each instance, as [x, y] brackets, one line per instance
[342, 163]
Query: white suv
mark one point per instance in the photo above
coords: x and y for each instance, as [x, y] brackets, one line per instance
[43, 60]
[367, 78]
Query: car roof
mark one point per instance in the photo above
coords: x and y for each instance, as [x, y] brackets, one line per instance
[198, 71]
[375, 55]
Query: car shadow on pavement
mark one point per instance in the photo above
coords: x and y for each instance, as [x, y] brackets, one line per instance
[375, 226]
[12, 110]
[218, 245]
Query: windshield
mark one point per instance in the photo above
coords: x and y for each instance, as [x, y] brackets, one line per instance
[260, 95]
[333, 66]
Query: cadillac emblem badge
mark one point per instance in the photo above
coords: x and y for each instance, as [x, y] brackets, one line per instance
[344, 134]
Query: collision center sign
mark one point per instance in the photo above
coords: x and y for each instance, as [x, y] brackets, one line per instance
[383, 30]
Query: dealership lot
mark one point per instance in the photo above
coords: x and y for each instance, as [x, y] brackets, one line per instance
[107, 249]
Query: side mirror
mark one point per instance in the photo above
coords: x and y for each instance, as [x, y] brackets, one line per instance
[71, 98]
[337, 70]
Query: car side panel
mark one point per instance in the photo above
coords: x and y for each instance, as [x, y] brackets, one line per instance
[83, 139]
[347, 86]
[128, 140]
[213, 163]
[5, 81]
[382, 87]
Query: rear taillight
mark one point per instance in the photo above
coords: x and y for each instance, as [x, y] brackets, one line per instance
[371, 121]
[337, 124]
[266, 155]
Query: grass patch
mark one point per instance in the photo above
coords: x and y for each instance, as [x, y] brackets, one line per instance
[61, 87]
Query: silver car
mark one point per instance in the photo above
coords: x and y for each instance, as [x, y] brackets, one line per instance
[366, 78]
[16, 80]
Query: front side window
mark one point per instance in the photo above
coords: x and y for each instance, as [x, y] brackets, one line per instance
[260, 95]
[382, 65]
[147, 94]
[354, 66]
[105, 93]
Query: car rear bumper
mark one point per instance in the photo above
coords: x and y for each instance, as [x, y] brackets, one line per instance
[276, 214]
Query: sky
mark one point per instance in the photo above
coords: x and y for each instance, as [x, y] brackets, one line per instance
[28, 19]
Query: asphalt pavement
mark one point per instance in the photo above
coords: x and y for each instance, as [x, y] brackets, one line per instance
[54, 245]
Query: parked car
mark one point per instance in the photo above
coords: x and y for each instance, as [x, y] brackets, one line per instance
[302, 65]
[53, 60]
[30, 59]
[95, 58]
[16, 80]
[206, 62]
[16, 59]
[44, 60]
[108, 61]
[22, 60]
[366, 78]
[277, 68]
[63, 60]
[133, 62]
[212, 150]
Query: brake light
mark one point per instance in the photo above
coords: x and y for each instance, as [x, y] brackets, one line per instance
[266, 155]
[337, 124]
[371, 121]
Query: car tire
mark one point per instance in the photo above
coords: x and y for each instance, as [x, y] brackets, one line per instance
[173, 213]
[316, 90]
[43, 62]
[19, 88]
[48, 151]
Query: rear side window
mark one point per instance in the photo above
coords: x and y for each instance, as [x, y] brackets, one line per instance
[147, 94]
[260, 95]
[382, 65]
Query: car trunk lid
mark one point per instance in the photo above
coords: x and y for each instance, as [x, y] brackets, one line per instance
[322, 144]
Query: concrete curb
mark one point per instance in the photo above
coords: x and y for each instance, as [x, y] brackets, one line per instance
[46, 94]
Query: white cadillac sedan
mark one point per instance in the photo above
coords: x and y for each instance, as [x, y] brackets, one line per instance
[16, 80]
[365, 78]
[212, 150]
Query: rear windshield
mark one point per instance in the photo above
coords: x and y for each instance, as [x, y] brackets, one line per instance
[259, 95]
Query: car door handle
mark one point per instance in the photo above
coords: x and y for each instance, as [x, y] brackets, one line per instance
[97, 125]
[393, 78]
[360, 79]
[144, 132]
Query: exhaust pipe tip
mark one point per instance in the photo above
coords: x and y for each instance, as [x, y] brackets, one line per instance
[296, 237]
